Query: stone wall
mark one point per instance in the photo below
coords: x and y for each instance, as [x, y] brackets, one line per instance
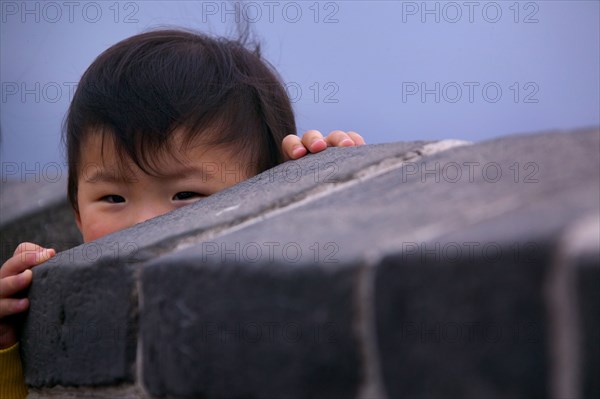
[35, 209]
[423, 269]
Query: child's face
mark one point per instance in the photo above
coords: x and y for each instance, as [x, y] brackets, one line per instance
[111, 199]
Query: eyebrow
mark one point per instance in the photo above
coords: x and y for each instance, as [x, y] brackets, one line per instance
[105, 176]
[184, 171]
[100, 175]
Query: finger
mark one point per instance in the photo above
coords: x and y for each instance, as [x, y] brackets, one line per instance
[13, 284]
[8, 337]
[27, 247]
[313, 140]
[25, 260]
[357, 138]
[338, 138]
[10, 306]
[293, 147]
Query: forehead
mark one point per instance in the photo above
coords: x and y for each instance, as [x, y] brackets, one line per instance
[100, 151]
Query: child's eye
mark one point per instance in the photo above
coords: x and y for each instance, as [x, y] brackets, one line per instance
[113, 199]
[186, 195]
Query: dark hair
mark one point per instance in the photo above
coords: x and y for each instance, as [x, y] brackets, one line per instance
[143, 88]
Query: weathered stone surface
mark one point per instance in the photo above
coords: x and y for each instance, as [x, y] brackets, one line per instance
[583, 259]
[425, 219]
[468, 327]
[82, 324]
[142, 242]
[31, 193]
[213, 329]
[124, 391]
[409, 247]
[409, 208]
[589, 308]
[36, 212]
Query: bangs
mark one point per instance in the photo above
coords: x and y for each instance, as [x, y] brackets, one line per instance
[150, 153]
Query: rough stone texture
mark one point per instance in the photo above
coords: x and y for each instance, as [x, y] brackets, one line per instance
[125, 391]
[589, 288]
[583, 254]
[82, 325]
[261, 330]
[482, 317]
[478, 284]
[36, 212]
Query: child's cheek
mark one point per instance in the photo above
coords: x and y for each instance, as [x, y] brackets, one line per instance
[96, 227]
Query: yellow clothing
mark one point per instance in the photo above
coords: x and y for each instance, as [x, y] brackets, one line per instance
[12, 382]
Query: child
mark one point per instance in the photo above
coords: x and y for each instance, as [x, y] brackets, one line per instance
[154, 122]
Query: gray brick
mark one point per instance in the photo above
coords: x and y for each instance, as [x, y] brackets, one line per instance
[470, 328]
[82, 324]
[107, 363]
[225, 330]
[589, 299]
[584, 256]
[518, 218]
[276, 250]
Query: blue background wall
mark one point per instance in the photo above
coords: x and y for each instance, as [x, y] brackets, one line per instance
[391, 70]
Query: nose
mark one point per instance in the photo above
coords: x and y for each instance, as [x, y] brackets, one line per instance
[148, 211]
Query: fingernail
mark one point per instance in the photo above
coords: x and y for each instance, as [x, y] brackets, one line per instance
[298, 151]
[45, 255]
[346, 143]
[23, 303]
[317, 141]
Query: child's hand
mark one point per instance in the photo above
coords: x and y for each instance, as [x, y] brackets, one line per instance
[313, 141]
[15, 276]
